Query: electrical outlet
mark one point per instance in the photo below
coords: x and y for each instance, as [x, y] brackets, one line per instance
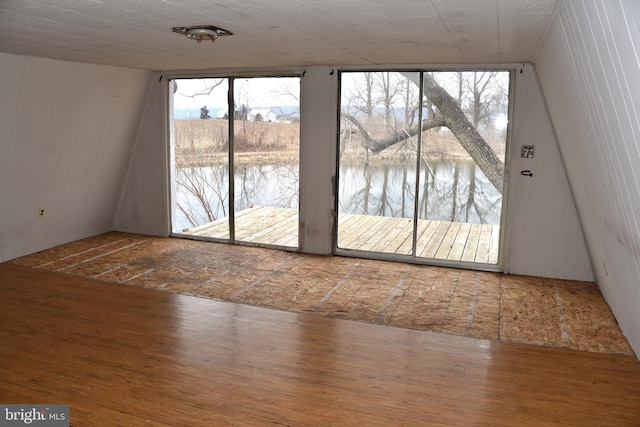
[41, 213]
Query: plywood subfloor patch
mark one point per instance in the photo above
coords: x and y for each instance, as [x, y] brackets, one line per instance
[531, 310]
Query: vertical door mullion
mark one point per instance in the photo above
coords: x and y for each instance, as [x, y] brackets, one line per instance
[232, 198]
[418, 163]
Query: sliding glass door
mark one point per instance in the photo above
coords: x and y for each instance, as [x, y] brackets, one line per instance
[235, 175]
[377, 175]
[421, 164]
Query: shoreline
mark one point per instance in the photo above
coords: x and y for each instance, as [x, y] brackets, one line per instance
[288, 156]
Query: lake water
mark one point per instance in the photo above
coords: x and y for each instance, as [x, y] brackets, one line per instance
[449, 191]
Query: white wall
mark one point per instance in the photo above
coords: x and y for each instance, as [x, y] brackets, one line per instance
[66, 134]
[319, 113]
[543, 232]
[144, 205]
[590, 75]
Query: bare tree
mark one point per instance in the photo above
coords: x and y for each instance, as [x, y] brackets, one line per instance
[208, 190]
[362, 100]
[208, 85]
[483, 91]
[446, 112]
[389, 89]
[468, 136]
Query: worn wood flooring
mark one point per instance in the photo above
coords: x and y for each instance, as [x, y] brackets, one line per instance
[442, 240]
[529, 310]
[129, 356]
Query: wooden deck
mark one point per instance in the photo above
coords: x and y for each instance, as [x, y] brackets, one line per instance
[258, 224]
[453, 241]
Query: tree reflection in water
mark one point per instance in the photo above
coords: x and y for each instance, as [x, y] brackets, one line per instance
[455, 191]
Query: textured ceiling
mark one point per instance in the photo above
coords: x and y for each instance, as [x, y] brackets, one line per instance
[276, 33]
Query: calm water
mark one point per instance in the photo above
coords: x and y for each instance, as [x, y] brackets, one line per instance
[449, 191]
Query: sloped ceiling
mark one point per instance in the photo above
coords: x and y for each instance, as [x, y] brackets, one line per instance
[276, 33]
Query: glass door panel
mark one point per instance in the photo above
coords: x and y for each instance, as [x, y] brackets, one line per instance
[201, 158]
[266, 147]
[462, 165]
[377, 161]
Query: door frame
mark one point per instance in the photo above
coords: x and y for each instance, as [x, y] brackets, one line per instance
[231, 76]
[509, 68]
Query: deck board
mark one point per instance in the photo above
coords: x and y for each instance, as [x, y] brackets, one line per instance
[443, 240]
[484, 245]
[459, 242]
[471, 246]
[435, 240]
[396, 236]
[447, 242]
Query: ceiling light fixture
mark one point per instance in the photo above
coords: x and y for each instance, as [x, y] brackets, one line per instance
[202, 32]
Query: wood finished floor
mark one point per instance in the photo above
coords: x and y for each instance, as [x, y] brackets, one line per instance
[529, 310]
[129, 356]
[452, 241]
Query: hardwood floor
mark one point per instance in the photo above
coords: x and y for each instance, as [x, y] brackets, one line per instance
[128, 356]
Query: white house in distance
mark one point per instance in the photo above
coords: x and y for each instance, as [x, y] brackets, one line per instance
[262, 115]
[254, 115]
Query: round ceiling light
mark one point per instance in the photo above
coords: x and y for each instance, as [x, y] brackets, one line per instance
[202, 32]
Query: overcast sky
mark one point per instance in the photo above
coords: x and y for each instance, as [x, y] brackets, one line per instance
[254, 92]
